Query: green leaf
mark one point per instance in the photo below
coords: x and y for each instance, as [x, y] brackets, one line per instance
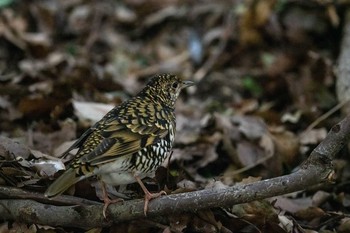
[250, 84]
[5, 3]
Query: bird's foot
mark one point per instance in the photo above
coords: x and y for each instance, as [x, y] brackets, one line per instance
[149, 196]
[107, 202]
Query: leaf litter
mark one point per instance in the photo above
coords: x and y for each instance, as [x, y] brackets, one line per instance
[264, 73]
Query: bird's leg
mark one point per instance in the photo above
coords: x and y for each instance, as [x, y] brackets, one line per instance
[148, 196]
[106, 199]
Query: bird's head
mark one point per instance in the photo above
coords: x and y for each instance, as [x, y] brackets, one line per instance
[167, 88]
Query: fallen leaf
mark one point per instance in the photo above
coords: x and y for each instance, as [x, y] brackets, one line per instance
[91, 111]
[251, 127]
[313, 136]
[344, 225]
[292, 205]
[310, 213]
[10, 148]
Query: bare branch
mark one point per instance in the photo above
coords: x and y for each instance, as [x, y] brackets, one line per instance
[315, 170]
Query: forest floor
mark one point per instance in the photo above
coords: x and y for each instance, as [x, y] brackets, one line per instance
[265, 74]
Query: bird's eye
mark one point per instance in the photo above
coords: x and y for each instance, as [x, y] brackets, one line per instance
[175, 84]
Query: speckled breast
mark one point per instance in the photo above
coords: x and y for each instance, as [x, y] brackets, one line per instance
[150, 158]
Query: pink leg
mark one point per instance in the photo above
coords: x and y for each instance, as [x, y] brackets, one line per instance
[148, 196]
[107, 200]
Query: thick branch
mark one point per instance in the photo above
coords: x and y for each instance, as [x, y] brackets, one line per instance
[315, 170]
[91, 215]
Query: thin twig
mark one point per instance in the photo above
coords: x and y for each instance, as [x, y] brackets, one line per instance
[325, 116]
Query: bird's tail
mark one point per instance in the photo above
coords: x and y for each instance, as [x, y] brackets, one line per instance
[62, 183]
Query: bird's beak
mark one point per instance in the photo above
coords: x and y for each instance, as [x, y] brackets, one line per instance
[187, 83]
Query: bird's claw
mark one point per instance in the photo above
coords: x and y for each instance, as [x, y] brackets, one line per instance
[107, 202]
[149, 196]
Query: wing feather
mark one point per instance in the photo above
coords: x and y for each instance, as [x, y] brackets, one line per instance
[78, 143]
[119, 139]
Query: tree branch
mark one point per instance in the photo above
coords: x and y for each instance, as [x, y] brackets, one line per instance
[315, 170]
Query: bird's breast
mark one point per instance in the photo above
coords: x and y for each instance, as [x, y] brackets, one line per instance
[143, 163]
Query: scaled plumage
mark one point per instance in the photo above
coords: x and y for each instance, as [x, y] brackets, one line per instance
[130, 142]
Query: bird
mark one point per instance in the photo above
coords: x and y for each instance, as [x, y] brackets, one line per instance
[129, 143]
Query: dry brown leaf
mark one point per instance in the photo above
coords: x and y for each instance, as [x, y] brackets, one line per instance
[91, 111]
[199, 225]
[180, 222]
[38, 106]
[320, 197]
[344, 226]
[161, 15]
[287, 147]
[310, 213]
[63, 148]
[249, 179]
[21, 227]
[45, 87]
[79, 20]
[313, 136]
[257, 212]
[38, 44]
[124, 14]
[45, 164]
[286, 223]
[10, 148]
[254, 17]
[12, 26]
[187, 129]
[291, 205]
[47, 142]
[291, 117]
[187, 185]
[94, 230]
[4, 102]
[209, 217]
[251, 127]
[248, 154]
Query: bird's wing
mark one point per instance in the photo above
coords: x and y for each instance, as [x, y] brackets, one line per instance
[120, 137]
[78, 143]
